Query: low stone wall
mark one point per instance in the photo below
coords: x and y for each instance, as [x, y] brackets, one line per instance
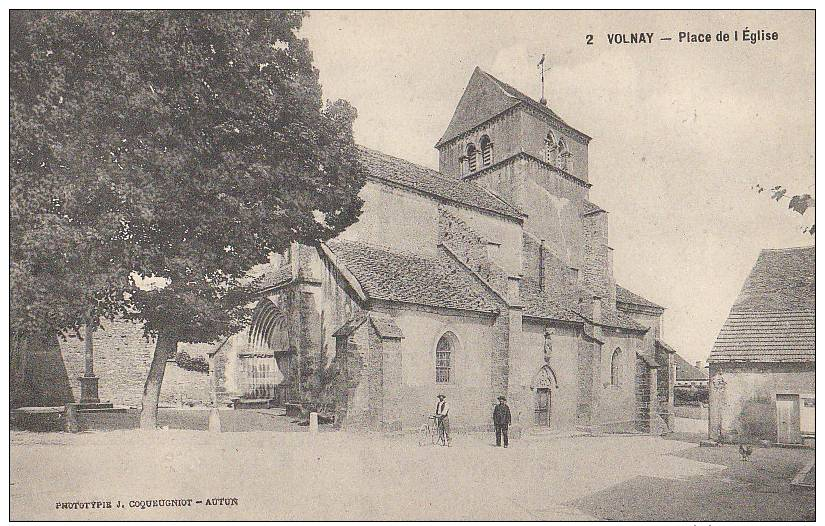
[690, 411]
[690, 425]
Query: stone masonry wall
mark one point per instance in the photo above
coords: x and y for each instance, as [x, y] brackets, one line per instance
[584, 401]
[596, 257]
[500, 356]
[471, 248]
[122, 358]
[742, 402]
[391, 385]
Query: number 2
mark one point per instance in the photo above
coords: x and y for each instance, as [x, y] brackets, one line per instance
[589, 39]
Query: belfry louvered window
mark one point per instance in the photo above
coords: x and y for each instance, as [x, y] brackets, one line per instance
[486, 151]
[550, 148]
[565, 157]
[471, 157]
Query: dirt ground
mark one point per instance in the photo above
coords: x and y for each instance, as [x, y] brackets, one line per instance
[287, 475]
[756, 490]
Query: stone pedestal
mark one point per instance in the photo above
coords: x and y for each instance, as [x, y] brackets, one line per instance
[88, 390]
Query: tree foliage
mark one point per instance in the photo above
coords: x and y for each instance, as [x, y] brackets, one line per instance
[799, 203]
[197, 140]
[69, 260]
[180, 145]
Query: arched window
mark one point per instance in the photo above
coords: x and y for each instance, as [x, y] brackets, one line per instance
[550, 149]
[486, 151]
[471, 157]
[615, 365]
[564, 159]
[444, 359]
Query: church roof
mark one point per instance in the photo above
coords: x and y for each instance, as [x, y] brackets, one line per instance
[773, 318]
[625, 296]
[559, 304]
[485, 97]
[590, 208]
[272, 277]
[384, 326]
[665, 346]
[408, 278]
[540, 304]
[409, 175]
[621, 320]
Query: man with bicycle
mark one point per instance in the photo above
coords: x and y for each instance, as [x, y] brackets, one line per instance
[442, 411]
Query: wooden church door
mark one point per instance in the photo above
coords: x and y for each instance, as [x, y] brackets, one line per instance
[541, 414]
[543, 383]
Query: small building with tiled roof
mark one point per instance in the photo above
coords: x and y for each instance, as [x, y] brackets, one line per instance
[762, 365]
[690, 375]
[490, 276]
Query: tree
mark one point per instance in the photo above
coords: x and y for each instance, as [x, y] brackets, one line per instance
[218, 151]
[799, 203]
[69, 262]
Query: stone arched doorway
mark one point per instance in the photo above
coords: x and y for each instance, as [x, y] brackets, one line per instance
[266, 361]
[544, 382]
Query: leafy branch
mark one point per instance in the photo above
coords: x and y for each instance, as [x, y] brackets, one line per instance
[799, 203]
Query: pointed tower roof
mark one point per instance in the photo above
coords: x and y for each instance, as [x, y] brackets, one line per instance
[485, 97]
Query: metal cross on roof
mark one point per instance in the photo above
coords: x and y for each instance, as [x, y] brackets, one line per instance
[542, 68]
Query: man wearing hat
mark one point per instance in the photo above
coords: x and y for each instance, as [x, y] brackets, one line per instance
[501, 419]
[442, 410]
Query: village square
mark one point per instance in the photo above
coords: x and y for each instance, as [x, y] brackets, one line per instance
[225, 305]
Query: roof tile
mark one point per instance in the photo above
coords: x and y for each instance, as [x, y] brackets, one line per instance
[687, 371]
[773, 319]
[625, 296]
[404, 173]
[406, 278]
[485, 97]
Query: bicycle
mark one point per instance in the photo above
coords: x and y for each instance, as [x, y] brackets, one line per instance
[432, 432]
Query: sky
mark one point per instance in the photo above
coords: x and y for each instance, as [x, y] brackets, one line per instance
[681, 131]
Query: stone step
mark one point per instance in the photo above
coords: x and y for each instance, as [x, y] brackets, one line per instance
[89, 406]
[110, 409]
[253, 403]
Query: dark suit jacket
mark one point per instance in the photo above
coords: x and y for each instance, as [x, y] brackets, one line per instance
[501, 415]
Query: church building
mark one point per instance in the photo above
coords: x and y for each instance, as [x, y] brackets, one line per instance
[491, 276]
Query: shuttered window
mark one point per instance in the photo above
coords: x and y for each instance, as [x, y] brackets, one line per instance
[486, 151]
[550, 150]
[471, 157]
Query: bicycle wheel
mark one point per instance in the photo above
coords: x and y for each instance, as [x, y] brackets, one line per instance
[423, 434]
[435, 433]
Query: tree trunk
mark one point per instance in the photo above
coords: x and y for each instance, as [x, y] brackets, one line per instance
[164, 348]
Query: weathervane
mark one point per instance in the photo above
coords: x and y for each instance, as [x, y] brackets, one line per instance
[542, 68]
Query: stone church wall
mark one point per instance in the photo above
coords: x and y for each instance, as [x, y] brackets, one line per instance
[504, 235]
[597, 268]
[563, 360]
[399, 219]
[534, 130]
[469, 392]
[553, 205]
[616, 405]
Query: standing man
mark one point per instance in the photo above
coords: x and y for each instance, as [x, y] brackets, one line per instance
[501, 419]
[442, 410]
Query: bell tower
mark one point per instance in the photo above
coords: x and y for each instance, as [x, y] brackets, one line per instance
[522, 151]
[494, 122]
